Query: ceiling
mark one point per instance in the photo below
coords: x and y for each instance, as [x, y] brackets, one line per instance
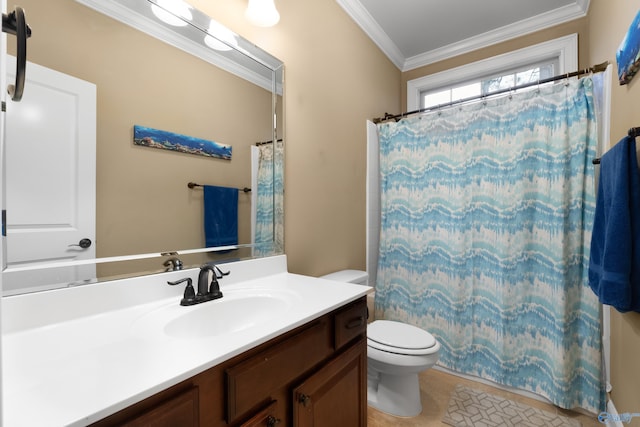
[414, 33]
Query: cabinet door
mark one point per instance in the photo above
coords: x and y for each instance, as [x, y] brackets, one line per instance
[336, 394]
[255, 380]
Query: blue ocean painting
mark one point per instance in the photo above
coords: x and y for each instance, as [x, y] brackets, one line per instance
[628, 54]
[155, 138]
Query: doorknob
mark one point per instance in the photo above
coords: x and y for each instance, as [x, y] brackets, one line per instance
[83, 243]
[14, 23]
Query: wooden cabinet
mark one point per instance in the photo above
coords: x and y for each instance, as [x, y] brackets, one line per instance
[333, 396]
[312, 375]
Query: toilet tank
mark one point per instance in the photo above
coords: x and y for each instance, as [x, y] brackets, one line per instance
[357, 277]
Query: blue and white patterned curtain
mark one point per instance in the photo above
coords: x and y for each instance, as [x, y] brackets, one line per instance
[269, 234]
[485, 229]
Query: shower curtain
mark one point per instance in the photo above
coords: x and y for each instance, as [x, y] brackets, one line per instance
[486, 214]
[268, 201]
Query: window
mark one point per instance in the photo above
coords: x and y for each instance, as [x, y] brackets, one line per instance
[504, 71]
[504, 80]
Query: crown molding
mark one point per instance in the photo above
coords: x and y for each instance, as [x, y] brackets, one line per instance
[365, 21]
[508, 32]
[361, 16]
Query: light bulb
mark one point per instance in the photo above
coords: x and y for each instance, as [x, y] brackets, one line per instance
[170, 11]
[220, 37]
[262, 13]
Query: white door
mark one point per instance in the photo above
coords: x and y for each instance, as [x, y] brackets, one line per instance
[50, 171]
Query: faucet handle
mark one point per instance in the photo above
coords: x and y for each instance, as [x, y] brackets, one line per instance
[214, 288]
[189, 297]
[222, 273]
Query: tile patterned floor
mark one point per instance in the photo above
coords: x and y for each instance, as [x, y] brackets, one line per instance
[436, 388]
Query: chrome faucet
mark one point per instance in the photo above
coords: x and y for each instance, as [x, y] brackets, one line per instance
[173, 264]
[208, 286]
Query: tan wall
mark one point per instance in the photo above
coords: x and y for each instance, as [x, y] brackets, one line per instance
[143, 203]
[608, 23]
[335, 78]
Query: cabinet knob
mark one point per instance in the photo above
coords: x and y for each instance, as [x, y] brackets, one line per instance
[272, 421]
[304, 399]
[355, 322]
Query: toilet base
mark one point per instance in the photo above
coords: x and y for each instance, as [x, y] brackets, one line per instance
[397, 395]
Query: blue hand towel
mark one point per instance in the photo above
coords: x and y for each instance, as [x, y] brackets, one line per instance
[614, 264]
[220, 216]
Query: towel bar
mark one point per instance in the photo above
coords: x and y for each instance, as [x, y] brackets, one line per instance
[633, 133]
[194, 185]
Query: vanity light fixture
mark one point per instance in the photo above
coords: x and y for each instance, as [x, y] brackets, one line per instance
[171, 12]
[220, 38]
[262, 13]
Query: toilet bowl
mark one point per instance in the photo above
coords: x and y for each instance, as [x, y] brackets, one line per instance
[396, 353]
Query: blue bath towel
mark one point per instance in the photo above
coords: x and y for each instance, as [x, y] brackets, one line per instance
[614, 266]
[220, 216]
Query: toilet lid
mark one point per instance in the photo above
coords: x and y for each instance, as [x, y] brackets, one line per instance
[387, 333]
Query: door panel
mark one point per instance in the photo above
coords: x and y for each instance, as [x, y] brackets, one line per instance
[50, 169]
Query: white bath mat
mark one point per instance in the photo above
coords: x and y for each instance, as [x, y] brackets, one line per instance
[475, 408]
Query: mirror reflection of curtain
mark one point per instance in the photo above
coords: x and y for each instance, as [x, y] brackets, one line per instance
[486, 216]
[602, 98]
[373, 202]
[267, 179]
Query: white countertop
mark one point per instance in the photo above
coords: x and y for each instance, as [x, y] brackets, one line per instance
[74, 356]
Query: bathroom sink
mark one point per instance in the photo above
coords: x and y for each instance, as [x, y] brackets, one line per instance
[236, 311]
[225, 316]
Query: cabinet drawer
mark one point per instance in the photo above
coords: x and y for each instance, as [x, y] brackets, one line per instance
[252, 381]
[264, 418]
[181, 410]
[177, 406]
[350, 322]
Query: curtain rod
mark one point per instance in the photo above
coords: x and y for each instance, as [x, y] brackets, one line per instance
[266, 142]
[595, 69]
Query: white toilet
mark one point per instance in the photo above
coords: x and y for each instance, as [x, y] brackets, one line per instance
[396, 354]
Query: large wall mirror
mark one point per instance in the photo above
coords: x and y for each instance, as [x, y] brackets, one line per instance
[84, 202]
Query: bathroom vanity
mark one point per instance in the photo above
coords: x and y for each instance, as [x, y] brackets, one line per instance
[277, 349]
